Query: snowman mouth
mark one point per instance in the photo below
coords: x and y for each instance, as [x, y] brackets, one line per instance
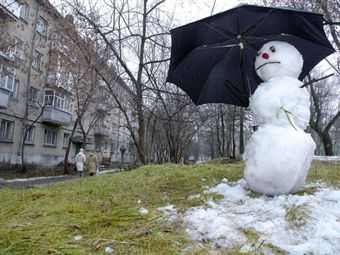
[273, 62]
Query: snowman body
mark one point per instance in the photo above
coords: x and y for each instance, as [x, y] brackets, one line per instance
[279, 154]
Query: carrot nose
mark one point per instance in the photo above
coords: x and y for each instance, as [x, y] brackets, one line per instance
[265, 55]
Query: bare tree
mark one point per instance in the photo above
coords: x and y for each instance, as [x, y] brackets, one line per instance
[129, 31]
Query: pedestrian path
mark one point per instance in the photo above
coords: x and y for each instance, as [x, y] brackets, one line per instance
[27, 182]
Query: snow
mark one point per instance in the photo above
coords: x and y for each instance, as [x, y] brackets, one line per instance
[279, 154]
[78, 237]
[108, 249]
[32, 179]
[278, 159]
[221, 223]
[327, 158]
[281, 92]
[143, 211]
[284, 61]
[168, 209]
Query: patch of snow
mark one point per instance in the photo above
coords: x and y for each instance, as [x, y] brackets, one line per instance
[170, 212]
[225, 180]
[32, 179]
[327, 158]
[108, 249]
[143, 211]
[168, 209]
[109, 171]
[78, 237]
[221, 223]
[191, 197]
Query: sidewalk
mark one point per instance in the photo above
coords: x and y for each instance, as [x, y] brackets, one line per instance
[27, 182]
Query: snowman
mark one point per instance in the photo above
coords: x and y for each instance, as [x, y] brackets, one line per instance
[279, 153]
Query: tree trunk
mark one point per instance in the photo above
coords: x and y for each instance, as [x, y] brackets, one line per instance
[327, 144]
[241, 146]
[66, 170]
[233, 134]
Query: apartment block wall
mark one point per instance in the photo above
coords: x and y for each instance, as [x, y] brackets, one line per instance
[44, 148]
[30, 78]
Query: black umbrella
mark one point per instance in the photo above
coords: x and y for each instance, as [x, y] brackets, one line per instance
[212, 59]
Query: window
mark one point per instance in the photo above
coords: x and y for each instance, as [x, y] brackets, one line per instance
[66, 139]
[24, 11]
[42, 26]
[13, 6]
[7, 78]
[18, 49]
[6, 130]
[29, 139]
[13, 93]
[97, 146]
[13, 48]
[58, 100]
[33, 95]
[37, 60]
[50, 137]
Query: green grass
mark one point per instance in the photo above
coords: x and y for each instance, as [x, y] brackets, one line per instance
[8, 171]
[104, 211]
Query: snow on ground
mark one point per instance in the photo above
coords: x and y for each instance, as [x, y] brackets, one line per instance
[328, 158]
[297, 224]
[32, 179]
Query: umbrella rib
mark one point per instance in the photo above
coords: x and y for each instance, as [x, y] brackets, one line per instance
[204, 87]
[216, 30]
[257, 26]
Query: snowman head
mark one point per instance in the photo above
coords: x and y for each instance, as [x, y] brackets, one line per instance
[278, 59]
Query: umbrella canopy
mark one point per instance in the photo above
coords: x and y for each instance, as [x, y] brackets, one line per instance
[212, 59]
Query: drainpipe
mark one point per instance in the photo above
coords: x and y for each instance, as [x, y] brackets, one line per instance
[28, 83]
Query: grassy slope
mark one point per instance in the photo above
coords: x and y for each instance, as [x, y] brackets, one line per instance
[104, 210]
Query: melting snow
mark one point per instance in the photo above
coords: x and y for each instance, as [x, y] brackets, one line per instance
[221, 223]
[143, 211]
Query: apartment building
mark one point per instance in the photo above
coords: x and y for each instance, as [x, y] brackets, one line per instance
[37, 97]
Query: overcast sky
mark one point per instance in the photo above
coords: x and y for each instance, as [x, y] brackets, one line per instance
[186, 11]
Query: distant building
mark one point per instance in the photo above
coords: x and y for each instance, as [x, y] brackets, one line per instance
[34, 90]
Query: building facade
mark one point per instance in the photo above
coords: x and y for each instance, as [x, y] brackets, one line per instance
[37, 97]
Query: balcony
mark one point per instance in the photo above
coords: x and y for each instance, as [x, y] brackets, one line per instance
[101, 130]
[4, 95]
[52, 78]
[9, 10]
[56, 116]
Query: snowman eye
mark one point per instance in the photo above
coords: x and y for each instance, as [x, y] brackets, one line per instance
[272, 48]
[258, 53]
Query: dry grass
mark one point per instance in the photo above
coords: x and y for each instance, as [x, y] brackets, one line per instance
[104, 210]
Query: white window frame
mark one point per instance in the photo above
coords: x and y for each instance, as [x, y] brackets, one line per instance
[14, 93]
[7, 80]
[35, 92]
[50, 137]
[29, 139]
[6, 130]
[66, 139]
[24, 11]
[37, 60]
[58, 100]
[13, 6]
[42, 26]
[18, 49]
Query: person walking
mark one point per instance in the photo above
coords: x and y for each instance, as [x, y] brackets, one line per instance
[80, 161]
[92, 163]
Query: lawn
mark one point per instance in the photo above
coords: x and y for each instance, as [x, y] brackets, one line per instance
[91, 215]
